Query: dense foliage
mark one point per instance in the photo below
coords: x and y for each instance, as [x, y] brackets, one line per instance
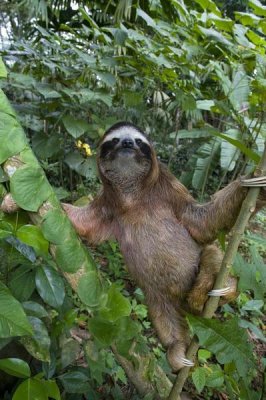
[193, 75]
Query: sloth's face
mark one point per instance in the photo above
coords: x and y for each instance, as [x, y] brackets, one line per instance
[125, 153]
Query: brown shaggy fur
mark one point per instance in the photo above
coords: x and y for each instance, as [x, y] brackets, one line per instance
[165, 237]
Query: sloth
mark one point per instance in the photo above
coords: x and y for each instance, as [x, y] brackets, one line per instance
[165, 235]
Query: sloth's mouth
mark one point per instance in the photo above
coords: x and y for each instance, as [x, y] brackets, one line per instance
[126, 150]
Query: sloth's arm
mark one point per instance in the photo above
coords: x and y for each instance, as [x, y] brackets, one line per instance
[89, 222]
[205, 221]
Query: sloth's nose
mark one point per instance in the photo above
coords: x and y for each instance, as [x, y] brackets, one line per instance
[127, 143]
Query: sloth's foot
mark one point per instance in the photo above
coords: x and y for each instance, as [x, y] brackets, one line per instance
[220, 292]
[254, 182]
[186, 362]
[176, 356]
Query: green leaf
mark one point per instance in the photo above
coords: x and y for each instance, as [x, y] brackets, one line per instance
[88, 18]
[199, 378]
[19, 80]
[51, 389]
[258, 7]
[29, 187]
[34, 309]
[74, 160]
[132, 99]
[75, 382]
[240, 36]
[149, 21]
[27, 157]
[30, 389]
[6, 229]
[229, 153]
[75, 126]
[262, 25]
[205, 104]
[13, 320]
[254, 305]
[223, 77]
[15, 367]
[191, 134]
[107, 78]
[216, 378]
[45, 146]
[117, 305]
[247, 18]
[12, 137]
[225, 24]
[47, 91]
[4, 342]
[209, 5]
[90, 289]
[5, 106]
[240, 90]
[212, 34]
[258, 40]
[128, 328]
[237, 143]
[39, 344]
[246, 393]
[87, 96]
[33, 236]
[71, 256]
[121, 375]
[61, 193]
[252, 276]
[50, 286]
[188, 103]
[120, 36]
[22, 282]
[207, 159]
[106, 332]
[226, 340]
[3, 71]
[56, 226]
[70, 352]
[3, 178]
[86, 167]
[204, 355]
[253, 328]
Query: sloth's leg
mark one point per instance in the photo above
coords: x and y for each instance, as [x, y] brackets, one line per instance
[172, 331]
[210, 262]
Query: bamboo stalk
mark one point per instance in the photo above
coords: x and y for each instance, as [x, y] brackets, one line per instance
[247, 209]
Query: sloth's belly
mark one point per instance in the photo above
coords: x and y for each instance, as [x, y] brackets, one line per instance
[161, 254]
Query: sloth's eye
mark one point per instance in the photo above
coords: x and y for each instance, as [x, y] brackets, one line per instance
[138, 141]
[115, 140]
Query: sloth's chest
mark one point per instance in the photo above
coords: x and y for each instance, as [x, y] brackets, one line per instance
[156, 248]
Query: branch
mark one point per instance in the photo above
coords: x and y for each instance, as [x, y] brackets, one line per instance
[247, 209]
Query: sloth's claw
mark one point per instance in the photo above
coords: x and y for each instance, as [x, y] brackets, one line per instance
[254, 182]
[220, 292]
[186, 362]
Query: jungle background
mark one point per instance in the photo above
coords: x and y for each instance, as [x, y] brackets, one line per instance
[192, 74]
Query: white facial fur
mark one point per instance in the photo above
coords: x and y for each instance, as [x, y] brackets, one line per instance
[125, 132]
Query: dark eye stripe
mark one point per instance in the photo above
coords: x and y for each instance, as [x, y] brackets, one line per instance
[109, 145]
[106, 148]
[146, 150]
